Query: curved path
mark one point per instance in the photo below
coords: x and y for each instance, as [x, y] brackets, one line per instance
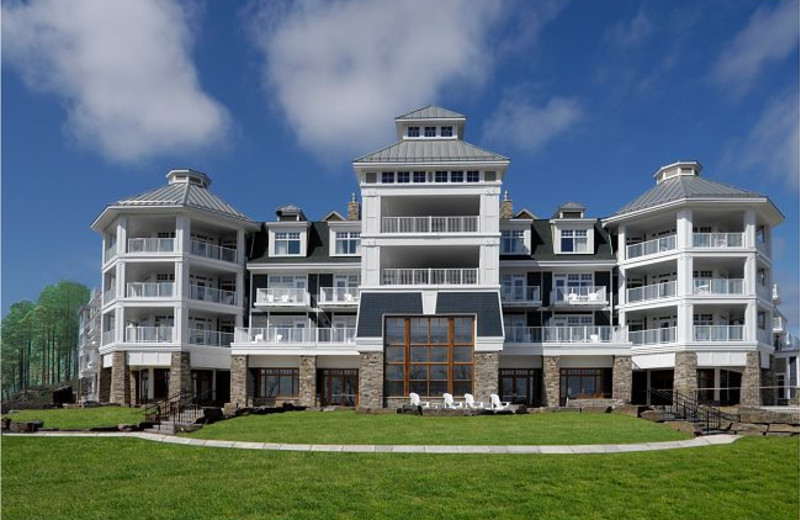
[378, 448]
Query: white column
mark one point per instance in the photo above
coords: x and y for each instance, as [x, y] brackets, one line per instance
[119, 324]
[181, 279]
[750, 224]
[122, 235]
[183, 234]
[750, 275]
[685, 284]
[121, 279]
[240, 289]
[683, 229]
[751, 322]
[241, 252]
[181, 327]
[685, 330]
[622, 248]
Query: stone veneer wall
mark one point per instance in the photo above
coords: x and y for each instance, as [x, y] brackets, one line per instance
[120, 393]
[487, 375]
[180, 373]
[239, 390]
[769, 396]
[685, 379]
[308, 381]
[104, 385]
[551, 380]
[370, 380]
[751, 380]
[132, 386]
[622, 378]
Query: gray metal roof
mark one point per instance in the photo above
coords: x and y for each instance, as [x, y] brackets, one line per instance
[684, 187]
[434, 150]
[184, 194]
[572, 205]
[432, 112]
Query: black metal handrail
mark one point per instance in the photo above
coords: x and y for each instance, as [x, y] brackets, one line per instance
[710, 418]
[182, 406]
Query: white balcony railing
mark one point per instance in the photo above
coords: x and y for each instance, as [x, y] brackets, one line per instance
[282, 296]
[204, 249]
[430, 276]
[526, 294]
[293, 336]
[150, 290]
[111, 294]
[148, 334]
[718, 332]
[589, 295]
[430, 224]
[717, 240]
[151, 245]
[777, 324]
[110, 252]
[776, 293]
[210, 294]
[718, 286]
[652, 247]
[210, 338]
[655, 291]
[653, 336]
[339, 295]
[107, 337]
[584, 334]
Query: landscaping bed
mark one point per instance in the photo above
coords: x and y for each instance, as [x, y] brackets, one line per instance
[102, 417]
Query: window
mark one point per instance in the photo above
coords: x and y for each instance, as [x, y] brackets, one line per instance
[430, 131]
[280, 383]
[447, 131]
[703, 319]
[403, 177]
[585, 383]
[429, 356]
[348, 242]
[762, 277]
[413, 131]
[387, 177]
[287, 243]
[512, 241]
[574, 241]
[473, 176]
[761, 320]
[703, 274]
[456, 176]
[369, 178]
[489, 176]
[440, 177]
[420, 177]
[572, 320]
[761, 234]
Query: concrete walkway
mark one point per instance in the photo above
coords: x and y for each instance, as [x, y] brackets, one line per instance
[697, 442]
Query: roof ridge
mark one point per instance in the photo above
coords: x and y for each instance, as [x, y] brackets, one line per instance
[415, 110]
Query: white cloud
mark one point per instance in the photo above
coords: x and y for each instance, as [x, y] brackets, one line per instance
[123, 70]
[773, 144]
[771, 35]
[626, 35]
[527, 126]
[339, 70]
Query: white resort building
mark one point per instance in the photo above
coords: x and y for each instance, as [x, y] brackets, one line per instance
[434, 284]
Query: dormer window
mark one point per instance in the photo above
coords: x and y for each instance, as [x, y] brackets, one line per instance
[420, 177]
[512, 241]
[287, 243]
[473, 176]
[413, 131]
[403, 177]
[440, 177]
[456, 176]
[387, 177]
[348, 242]
[430, 131]
[447, 131]
[574, 241]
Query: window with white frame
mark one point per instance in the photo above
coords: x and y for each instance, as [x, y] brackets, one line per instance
[573, 280]
[704, 319]
[572, 320]
[287, 281]
[574, 241]
[456, 176]
[430, 131]
[413, 131]
[447, 131]
[473, 176]
[420, 177]
[403, 177]
[512, 241]
[440, 177]
[287, 243]
[348, 242]
[387, 177]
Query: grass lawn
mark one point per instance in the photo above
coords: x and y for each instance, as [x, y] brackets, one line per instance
[80, 418]
[352, 428]
[96, 478]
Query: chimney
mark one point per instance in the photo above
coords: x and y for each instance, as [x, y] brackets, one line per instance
[506, 207]
[353, 209]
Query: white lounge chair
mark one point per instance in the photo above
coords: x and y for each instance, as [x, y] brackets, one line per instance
[270, 298]
[469, 402]
[414, 401]
[497, 404]
[258, 338]
[449, 402]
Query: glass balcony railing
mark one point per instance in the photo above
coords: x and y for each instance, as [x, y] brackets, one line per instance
[430, 224]
[210, 294]
[339, 295]
[429, 276]
[204, 249]
[111, 294]
[210, 338]
[107, 337]
[110, 253]
[150, 290]
[579, 334]
[588, 295]
[652, 247]
[777, 324]
[524, 294]
[653, 336]
[656, 291]
[282, 296]
[718, 286]
[717, 240]
[148, 334]
[718, 332]
[151, 245]
[289, 336]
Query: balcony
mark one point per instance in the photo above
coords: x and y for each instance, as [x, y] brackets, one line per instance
[778, 325]
[215, 252]
[776, 294]
[718, 287]
[283, 297]
[762, 248]
[296, 337]
[111, 294]
[110, 253]
[151, 245]
[148, 334]
[107, 338]
[660, 336]
[527, 295]
[718, 333]
[717, 240]
[210, 294]
[338, 296]
[430, 276]
[652, 247]
[658, 291]
[461, 224]
[210, 338]
[584, 335]
[150, 290]
[580, 296]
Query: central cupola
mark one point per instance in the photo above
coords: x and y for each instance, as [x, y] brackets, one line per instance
[430, 122]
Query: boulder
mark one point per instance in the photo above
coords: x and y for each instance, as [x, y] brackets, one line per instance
[654, 415]
[685, 427]
[758, 416]
[212, 414]
[25, 426]
[784, 428]
[749, 428]
[628, 409]
[595, 409]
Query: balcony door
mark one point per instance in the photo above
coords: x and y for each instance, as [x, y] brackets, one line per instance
[338, 387]
[514, 286]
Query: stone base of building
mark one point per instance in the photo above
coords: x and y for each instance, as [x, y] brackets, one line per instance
[370, 381]
[685, 379]
[180, 373]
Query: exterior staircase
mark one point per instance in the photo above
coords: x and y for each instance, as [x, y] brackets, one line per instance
[681, 407]
[178, 413]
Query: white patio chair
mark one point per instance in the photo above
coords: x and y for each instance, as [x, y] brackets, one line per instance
[348, 297]
[284, 298]
[449, 402]
[497, 404]
[414, 401]
[270, 298]
[258, 338]
[593, 297]
[594, 338]
[469, 402]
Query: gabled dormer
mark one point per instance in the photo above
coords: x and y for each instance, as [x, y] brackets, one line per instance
[430, 122]
[573, 233]
[288, 235]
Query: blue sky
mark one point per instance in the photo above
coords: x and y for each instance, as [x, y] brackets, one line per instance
[274, 100]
